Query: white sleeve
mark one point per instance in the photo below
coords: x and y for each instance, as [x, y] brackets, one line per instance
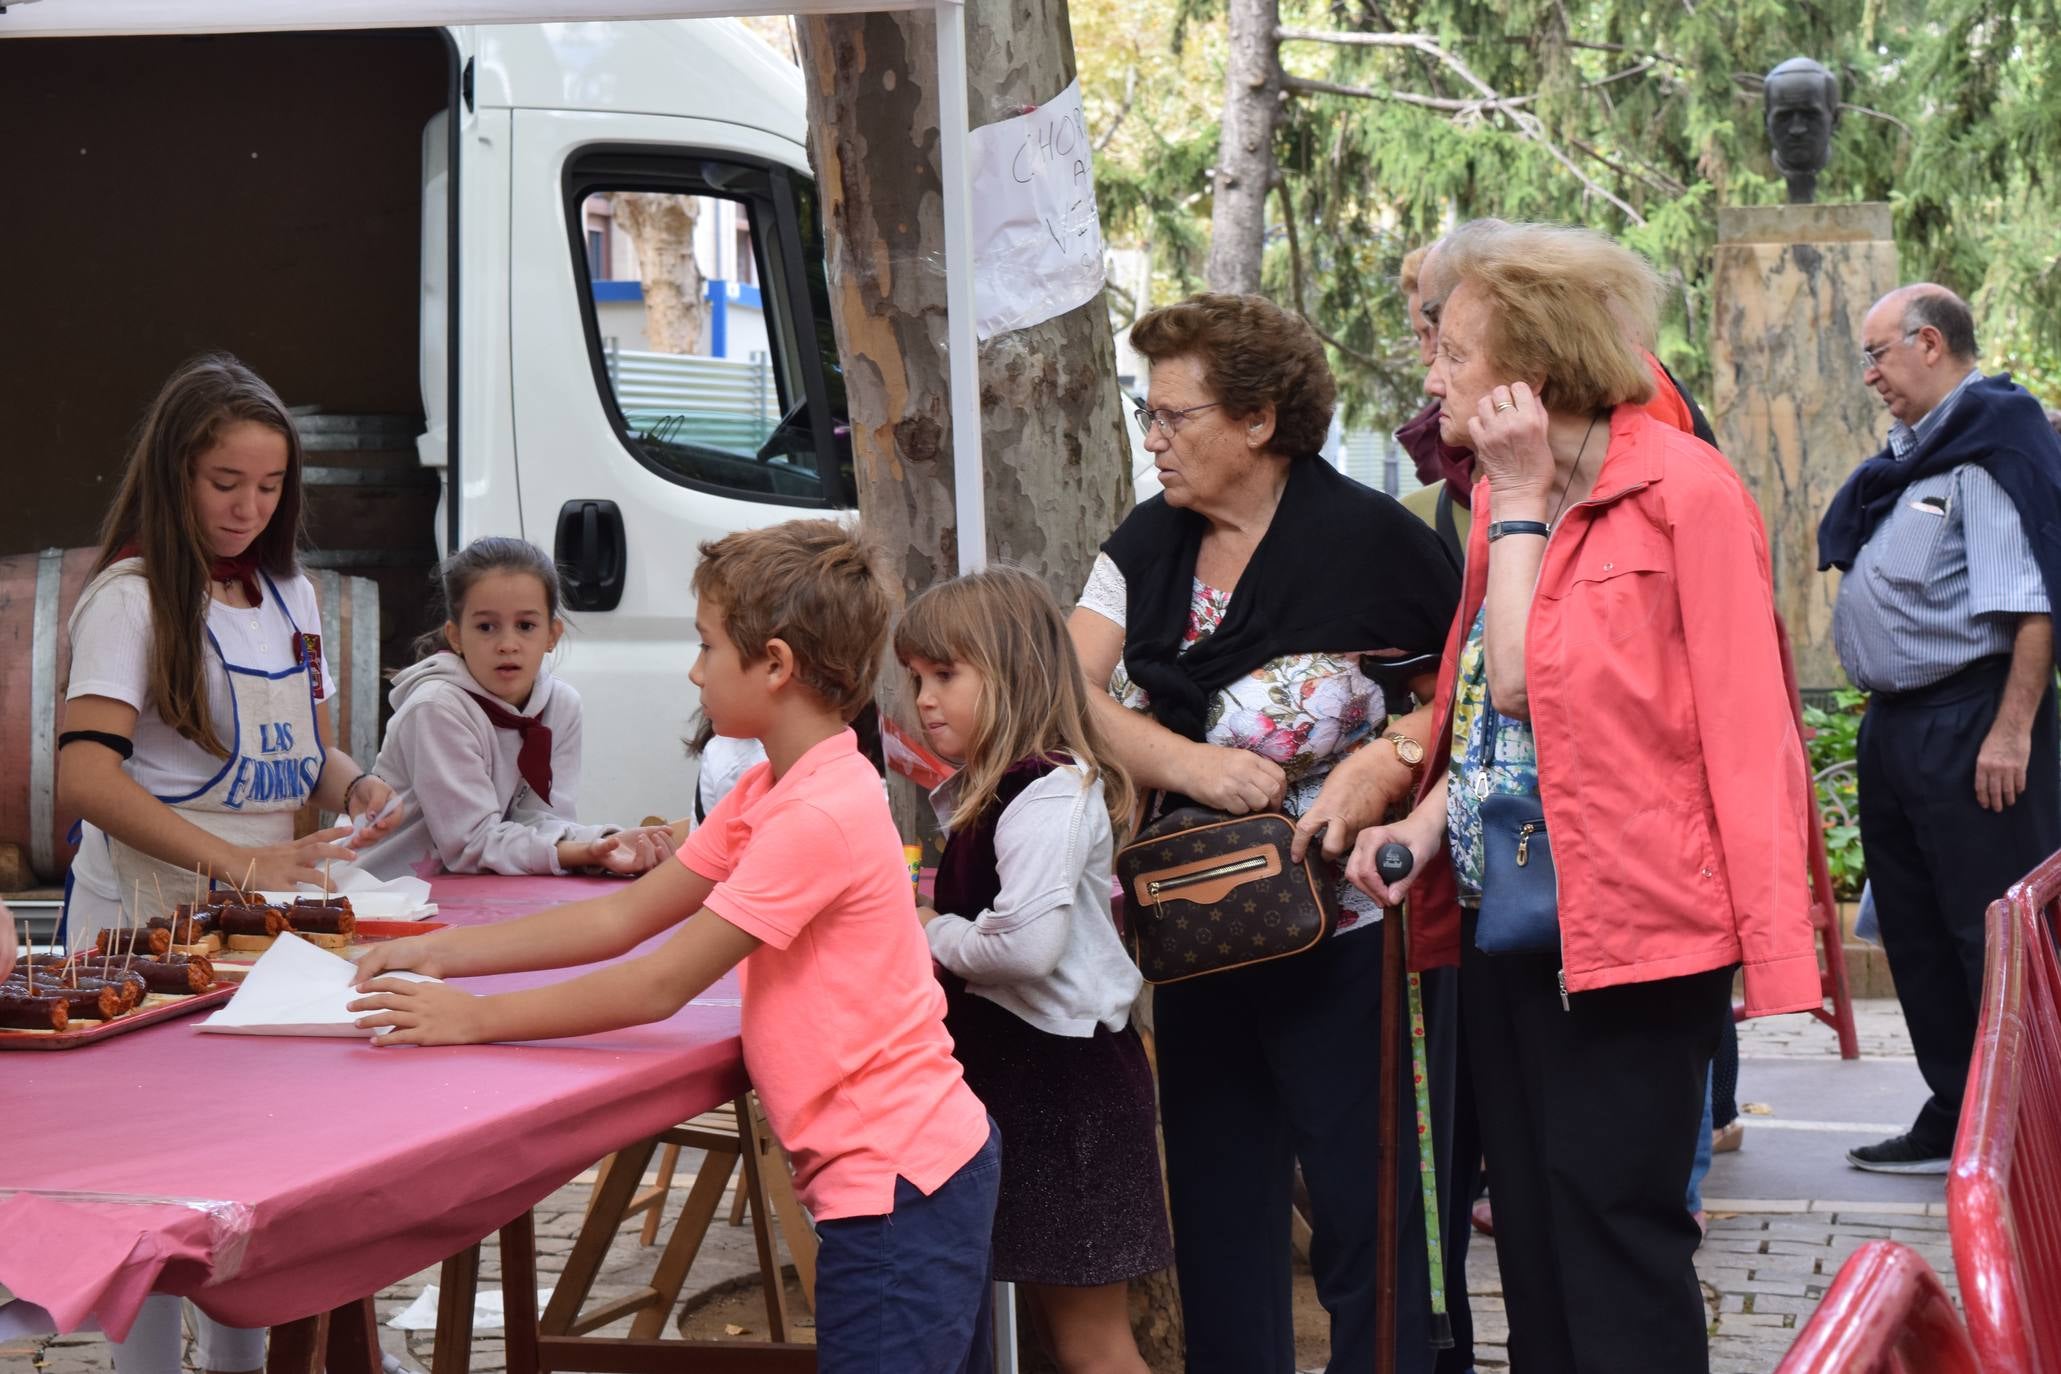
[1039, 842]
[111, 643]
[454, 792]
[1104, 594]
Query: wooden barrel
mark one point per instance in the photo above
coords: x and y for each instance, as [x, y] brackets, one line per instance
[350, 641]
[37, 593]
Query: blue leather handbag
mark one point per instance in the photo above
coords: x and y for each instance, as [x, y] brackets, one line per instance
[1520, 898]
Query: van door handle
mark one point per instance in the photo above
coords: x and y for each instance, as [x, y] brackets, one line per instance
[591, 554]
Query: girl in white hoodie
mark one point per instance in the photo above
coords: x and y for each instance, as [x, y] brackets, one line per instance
[484, 745]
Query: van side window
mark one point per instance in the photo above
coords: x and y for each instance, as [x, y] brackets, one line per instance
[694, 331]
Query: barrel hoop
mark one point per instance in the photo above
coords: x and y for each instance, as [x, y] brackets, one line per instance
[328, 595]
[364, 671]
[43, 713]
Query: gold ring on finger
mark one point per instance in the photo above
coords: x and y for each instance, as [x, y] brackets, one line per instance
[1502, 406]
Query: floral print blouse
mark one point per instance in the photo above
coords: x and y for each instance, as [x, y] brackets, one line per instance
[1513, 772]
[1303, 711]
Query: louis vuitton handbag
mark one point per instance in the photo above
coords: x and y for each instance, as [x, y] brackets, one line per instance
[1205, 892]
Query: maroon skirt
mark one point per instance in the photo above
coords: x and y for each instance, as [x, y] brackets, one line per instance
[1081, 1202]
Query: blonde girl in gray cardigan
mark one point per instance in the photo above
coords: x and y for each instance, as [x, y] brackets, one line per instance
[484, 745]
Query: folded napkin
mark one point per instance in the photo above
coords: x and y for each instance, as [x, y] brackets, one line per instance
[296, 988]
[376, 899]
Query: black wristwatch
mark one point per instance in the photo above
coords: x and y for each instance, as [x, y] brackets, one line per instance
[1499, 528]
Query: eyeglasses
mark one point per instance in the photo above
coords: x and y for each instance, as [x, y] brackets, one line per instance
[1167, 420]
[1871, 358]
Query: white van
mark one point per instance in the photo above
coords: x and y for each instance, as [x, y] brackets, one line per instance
[410, 233]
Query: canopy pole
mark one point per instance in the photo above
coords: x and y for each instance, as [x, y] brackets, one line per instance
[962, 340]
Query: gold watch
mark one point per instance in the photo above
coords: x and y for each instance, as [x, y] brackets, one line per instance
[1408, 750]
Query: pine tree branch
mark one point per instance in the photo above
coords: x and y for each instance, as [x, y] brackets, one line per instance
[1527, 123]
[1295, 281]
[1449, 104]
[1130, 94]
[1885, 118]
[1652, 177]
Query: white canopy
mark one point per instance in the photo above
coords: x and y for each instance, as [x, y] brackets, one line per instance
[86, 18]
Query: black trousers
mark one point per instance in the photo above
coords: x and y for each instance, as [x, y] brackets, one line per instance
[1937, 859]
[1589, 1118]
[1260, 1068]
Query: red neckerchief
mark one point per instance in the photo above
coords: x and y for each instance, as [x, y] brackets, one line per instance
[533, 759]
[1435, 458]
[242, 570]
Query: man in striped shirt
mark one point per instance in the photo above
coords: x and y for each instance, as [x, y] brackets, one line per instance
[1944, 616]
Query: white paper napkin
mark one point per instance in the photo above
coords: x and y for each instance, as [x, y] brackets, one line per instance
[488, 1310]
[296, 988]
[375, 899]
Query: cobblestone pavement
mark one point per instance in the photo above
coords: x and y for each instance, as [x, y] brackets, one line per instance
[1765, 1266]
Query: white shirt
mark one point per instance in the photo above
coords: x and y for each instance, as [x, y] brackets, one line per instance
[1048, 950]
[111, 633]
[469, 809]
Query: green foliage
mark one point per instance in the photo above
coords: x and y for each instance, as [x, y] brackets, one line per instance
[1953, 115]
[1835, 735]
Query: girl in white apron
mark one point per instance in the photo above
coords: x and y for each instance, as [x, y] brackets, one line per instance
[193, 722]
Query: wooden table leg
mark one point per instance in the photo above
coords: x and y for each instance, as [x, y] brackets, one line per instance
[457, 1282]
[703, 1201]
[762, 1231]
[519, 1293]
[353, 1344]
[777, 1177]
[611, 1199]
[293, 1347]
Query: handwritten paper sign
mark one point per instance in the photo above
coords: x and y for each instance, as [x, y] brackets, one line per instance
[1037, 244]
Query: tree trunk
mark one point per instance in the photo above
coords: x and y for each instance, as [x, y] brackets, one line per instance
[661, 228]
[1245, 156]
[1057, 465]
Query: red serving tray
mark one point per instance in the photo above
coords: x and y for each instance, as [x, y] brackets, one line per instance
[235, 963]
[168, 1006]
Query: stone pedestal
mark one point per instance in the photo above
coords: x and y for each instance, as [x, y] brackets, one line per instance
[1791, 285]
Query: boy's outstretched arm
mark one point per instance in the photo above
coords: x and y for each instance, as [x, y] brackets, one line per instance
[647, 989]
[583, 932]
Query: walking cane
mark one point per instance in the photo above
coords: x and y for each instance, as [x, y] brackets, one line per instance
[1393, 863]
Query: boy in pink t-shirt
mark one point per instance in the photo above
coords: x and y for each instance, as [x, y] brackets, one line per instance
[798, 876]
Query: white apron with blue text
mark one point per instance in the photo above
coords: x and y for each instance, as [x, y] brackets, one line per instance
[275, 761]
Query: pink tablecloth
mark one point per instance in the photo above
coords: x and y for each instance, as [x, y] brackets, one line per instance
[270, 1179]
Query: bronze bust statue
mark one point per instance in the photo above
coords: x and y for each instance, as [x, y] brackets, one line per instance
[1802, 102]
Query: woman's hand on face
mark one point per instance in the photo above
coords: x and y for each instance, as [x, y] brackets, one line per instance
[279, 866]
[1234, 780]
[1508, 430]
[1362, 788]
[1423, 840]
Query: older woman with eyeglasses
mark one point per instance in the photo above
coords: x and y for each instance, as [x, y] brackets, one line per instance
[1236, 620]
[1617, 814]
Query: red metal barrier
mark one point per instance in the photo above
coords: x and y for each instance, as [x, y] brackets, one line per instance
[1836, 1010]
[1886, 1313]
[2004, 1194]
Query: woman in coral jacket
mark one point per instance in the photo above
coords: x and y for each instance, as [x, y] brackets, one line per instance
[1616, 659]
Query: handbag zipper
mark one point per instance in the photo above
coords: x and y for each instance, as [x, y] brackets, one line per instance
[1158, 885]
